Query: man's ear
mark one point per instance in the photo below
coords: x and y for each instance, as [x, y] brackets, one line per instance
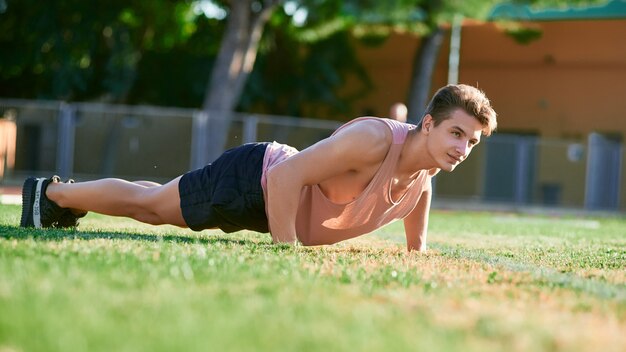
[427, 123]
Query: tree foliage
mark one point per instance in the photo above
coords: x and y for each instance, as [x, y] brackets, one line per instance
[77, 50]
[162, 53]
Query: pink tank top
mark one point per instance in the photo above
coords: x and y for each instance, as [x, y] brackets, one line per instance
[320, 221]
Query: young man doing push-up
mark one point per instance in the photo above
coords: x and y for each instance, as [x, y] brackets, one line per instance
[370, 172]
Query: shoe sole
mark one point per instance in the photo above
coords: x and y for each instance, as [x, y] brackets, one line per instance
[31, 210]
[27, 203]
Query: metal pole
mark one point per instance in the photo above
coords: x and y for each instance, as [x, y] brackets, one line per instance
[66, 135]
[522, 170]
[249, 129]
[199, 141]
[455, 49]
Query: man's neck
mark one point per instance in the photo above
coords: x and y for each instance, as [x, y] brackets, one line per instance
[415, 156]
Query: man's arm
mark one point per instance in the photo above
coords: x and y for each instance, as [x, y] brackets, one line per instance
[416, 223]
[284, 184]
[328, 158]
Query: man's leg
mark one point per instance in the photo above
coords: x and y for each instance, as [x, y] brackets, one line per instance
[143, 201]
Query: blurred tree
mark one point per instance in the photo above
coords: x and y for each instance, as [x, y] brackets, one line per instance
[234, 63]
[307, 59]
[157, 53]
[75, 50]
[305, 79]
[176, 76]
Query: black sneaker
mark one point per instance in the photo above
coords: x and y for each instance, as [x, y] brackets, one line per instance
[69, 219]
[37, 210]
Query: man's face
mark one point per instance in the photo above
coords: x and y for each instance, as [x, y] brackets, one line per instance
[453, 139]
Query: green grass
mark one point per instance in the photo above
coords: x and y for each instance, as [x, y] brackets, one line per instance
[490, 282]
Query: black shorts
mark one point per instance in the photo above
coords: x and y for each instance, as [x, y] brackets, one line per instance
[227, 193]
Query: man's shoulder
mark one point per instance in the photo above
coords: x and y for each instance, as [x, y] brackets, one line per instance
[363, 142]
[368, 130]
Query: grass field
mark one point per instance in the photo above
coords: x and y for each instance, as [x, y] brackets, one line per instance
[490, 282]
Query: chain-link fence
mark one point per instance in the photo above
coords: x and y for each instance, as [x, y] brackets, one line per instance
[88, 141]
